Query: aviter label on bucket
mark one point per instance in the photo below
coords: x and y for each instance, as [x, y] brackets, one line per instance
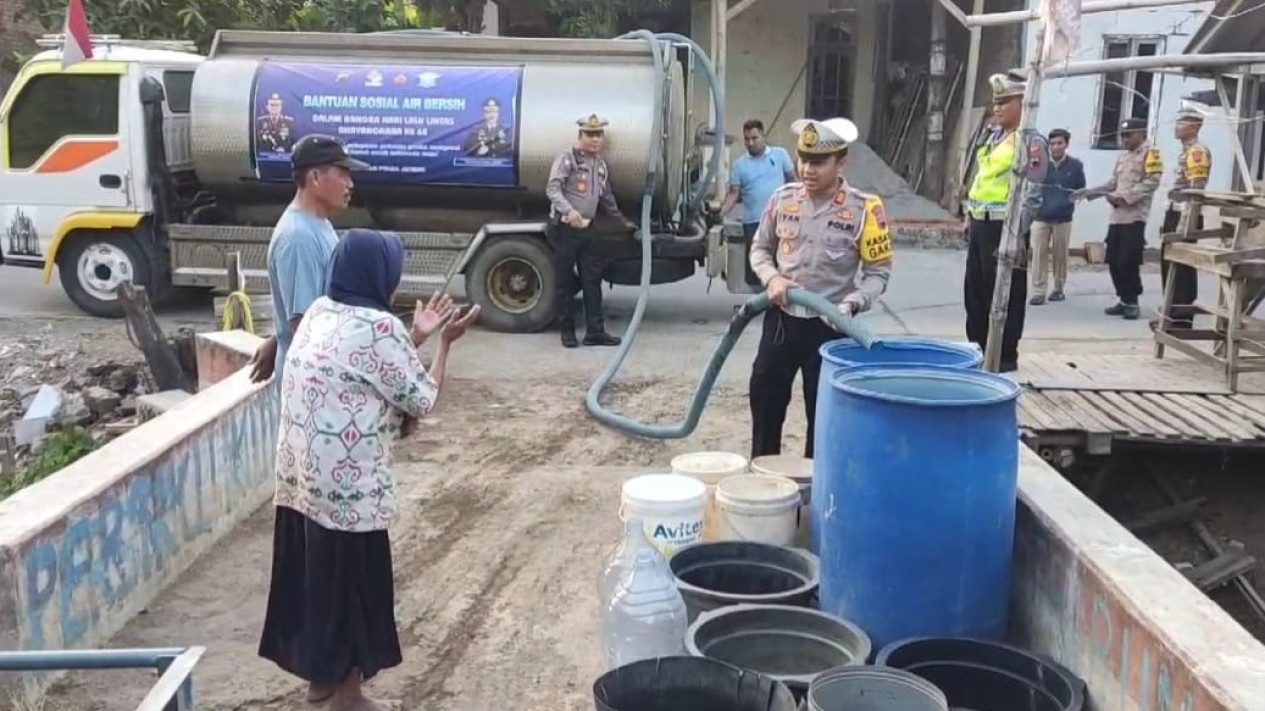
[667, 536]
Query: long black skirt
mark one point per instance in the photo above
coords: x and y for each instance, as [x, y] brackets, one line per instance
[331, 607]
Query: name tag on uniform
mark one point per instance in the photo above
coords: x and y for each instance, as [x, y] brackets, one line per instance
[837, 225]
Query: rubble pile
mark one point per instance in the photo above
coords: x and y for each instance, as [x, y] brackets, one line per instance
[47, 386]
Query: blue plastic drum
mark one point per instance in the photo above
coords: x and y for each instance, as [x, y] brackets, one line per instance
[913, 500]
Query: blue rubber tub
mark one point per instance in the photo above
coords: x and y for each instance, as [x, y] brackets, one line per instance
[913, 503]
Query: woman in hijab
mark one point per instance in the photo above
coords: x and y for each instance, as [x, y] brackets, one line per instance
[352, 381]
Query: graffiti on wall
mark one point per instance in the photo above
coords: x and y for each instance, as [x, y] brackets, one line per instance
[1097, 635]
[79, 578]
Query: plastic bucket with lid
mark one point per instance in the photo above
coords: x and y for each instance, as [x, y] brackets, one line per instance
[670, 507]
[709, 465]
[759, 508]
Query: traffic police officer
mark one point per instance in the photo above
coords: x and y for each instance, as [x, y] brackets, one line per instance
[1194, 164]
[988, 202]
[1133, 182]
[579, 183]
[825, 236]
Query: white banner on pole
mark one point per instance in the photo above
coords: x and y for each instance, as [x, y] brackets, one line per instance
[1062, 19]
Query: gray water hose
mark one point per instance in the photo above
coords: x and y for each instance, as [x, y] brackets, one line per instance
[755, 305]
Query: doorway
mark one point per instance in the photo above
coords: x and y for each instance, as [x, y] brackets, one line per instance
[831, 63]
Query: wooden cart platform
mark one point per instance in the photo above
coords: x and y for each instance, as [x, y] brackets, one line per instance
[1092, 402]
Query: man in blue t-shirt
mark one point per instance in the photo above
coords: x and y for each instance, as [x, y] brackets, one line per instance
[752, 180]
[303, 242]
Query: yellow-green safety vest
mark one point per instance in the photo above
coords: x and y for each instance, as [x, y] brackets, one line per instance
[990, 190]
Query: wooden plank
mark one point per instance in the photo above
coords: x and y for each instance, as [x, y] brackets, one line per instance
[1220, 570]
[1252, 406]
[1081, 409]
[1133, 405]
[1137, 428]
[1029, 417]
[1051, 418]
[1213, 415]
[1171, 515]
[1195, 427]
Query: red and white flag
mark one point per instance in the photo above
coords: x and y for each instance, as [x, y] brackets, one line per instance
[76, 37]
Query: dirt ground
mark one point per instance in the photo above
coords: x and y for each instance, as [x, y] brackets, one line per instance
[510, 499]
[509, 507]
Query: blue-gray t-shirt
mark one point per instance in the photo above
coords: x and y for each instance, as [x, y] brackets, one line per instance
[756, 177]
[299, 256]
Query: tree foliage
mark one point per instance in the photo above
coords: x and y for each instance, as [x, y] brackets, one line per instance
[197, 20]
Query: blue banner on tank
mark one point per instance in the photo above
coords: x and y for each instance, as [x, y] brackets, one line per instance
[913, 503]
[413, 124]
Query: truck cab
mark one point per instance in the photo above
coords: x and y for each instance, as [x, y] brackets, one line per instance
[75, 170]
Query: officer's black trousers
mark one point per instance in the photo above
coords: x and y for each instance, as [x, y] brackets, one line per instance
[577, 250]
[787, 345]
[1125, 245]
[984, 237]
[1186, 286]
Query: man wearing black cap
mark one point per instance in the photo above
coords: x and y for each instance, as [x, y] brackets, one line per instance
[303, 242]
[1133, 182]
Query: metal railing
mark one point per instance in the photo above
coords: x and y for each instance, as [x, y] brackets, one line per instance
[173, 692]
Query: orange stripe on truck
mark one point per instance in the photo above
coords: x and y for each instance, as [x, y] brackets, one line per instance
[74, 155]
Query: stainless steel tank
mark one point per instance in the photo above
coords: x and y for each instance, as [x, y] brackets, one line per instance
[562, 80]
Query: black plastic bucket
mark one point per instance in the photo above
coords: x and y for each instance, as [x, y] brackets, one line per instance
[874, 689]
[988, 676]
[714, 575]
[790, 644]
[688, 684]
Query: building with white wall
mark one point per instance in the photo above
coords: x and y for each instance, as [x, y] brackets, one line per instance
[1092, 107]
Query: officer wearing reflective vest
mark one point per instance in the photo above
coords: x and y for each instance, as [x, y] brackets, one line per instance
[824, 236]
[1194, 165]
[988, 202]
[1133, 183]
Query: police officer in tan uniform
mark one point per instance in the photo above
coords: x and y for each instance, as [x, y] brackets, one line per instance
[1194, 164]
[825, 236]
[579, 183]
[1133, 182]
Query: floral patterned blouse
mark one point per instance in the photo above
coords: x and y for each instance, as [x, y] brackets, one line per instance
[351, 375]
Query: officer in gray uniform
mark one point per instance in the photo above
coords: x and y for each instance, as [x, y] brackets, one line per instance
[825, 236]
[579, 183]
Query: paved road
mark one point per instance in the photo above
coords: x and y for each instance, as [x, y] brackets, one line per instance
[924, 299]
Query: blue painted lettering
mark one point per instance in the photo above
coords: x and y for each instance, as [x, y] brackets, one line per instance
[74, 579]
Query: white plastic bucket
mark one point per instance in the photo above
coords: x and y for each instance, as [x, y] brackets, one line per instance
[711, 465]
[670, 507]
[797, 469]
[758, 508]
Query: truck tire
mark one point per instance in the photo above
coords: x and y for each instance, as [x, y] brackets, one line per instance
[91, 265]
[512, 280]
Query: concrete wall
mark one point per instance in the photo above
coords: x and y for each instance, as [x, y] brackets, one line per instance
[1094, 597]
[85, 550]
[1073, 103]
[767, 51]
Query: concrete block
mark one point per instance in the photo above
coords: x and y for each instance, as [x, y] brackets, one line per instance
[152, 405]
[1091, 595]
[88, 548]
[222, 353]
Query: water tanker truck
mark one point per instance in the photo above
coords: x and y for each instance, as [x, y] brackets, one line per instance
[155, 164]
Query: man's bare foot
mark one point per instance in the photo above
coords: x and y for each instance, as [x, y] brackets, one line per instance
[320, 693]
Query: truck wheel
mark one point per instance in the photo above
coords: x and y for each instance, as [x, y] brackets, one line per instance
[92, 265]
[512, 281]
